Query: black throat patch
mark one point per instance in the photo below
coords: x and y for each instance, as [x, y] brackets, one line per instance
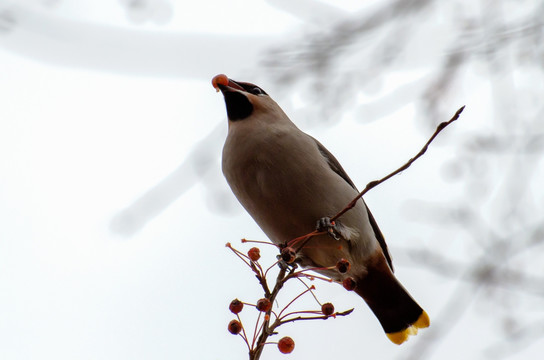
[238, 105]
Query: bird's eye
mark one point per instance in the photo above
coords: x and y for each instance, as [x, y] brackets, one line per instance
[257, 91]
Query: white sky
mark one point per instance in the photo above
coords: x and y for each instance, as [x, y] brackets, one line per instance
[79, 144]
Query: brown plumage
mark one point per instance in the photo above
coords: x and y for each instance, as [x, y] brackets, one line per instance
[287, 181]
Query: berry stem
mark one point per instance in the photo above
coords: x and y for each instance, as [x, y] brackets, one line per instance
[259, 242]
[255, 331]
[315, 297]
[241, 255]
[295, 299]
[321, 317]
[243, 334]
[271, 266]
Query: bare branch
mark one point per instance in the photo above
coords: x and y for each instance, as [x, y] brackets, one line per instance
[322, 317]
[375, 183]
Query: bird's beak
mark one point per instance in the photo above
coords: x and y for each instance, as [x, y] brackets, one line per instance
[222, 83]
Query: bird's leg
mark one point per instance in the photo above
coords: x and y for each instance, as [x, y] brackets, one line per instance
[333, 228]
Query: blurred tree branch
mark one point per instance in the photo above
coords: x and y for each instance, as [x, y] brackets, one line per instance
[491, 48]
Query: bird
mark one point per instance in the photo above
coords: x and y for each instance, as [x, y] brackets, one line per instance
[288, 182]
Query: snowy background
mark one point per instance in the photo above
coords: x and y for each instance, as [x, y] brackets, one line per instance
[114, 212]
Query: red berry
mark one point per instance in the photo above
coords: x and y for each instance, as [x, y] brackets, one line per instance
[288, 255]
[264, 305]
[349, 284]
[254, 253]
[286, 345]
[327, 309]
[236, 306]
[235, 327]
[343, 266]
[220, 79]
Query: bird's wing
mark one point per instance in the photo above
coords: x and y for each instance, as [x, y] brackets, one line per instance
[337, 168]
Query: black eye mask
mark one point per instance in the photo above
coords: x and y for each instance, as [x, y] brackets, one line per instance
[238, 105]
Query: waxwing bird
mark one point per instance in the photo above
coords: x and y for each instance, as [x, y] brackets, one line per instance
[288, 181]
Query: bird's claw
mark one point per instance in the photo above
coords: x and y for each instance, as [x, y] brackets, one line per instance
[330, 227]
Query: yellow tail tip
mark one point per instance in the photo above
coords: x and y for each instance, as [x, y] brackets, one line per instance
[401, 336]
[398, 337]
[423, 321]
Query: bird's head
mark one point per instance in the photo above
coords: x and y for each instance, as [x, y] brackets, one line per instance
[243, 99]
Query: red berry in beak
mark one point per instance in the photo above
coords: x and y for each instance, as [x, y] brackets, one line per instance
[220, 79]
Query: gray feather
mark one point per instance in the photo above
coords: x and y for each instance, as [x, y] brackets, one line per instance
[337, 168]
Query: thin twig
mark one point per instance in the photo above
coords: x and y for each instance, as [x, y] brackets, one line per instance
[324, 317]
[314, 312]
[375, 183]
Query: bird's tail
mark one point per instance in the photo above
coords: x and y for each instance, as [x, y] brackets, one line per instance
[399, 314]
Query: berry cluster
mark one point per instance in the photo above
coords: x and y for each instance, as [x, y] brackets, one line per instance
[269, 319]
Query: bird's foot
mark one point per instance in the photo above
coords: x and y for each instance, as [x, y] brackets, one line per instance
[287, 266]
[333, 228]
